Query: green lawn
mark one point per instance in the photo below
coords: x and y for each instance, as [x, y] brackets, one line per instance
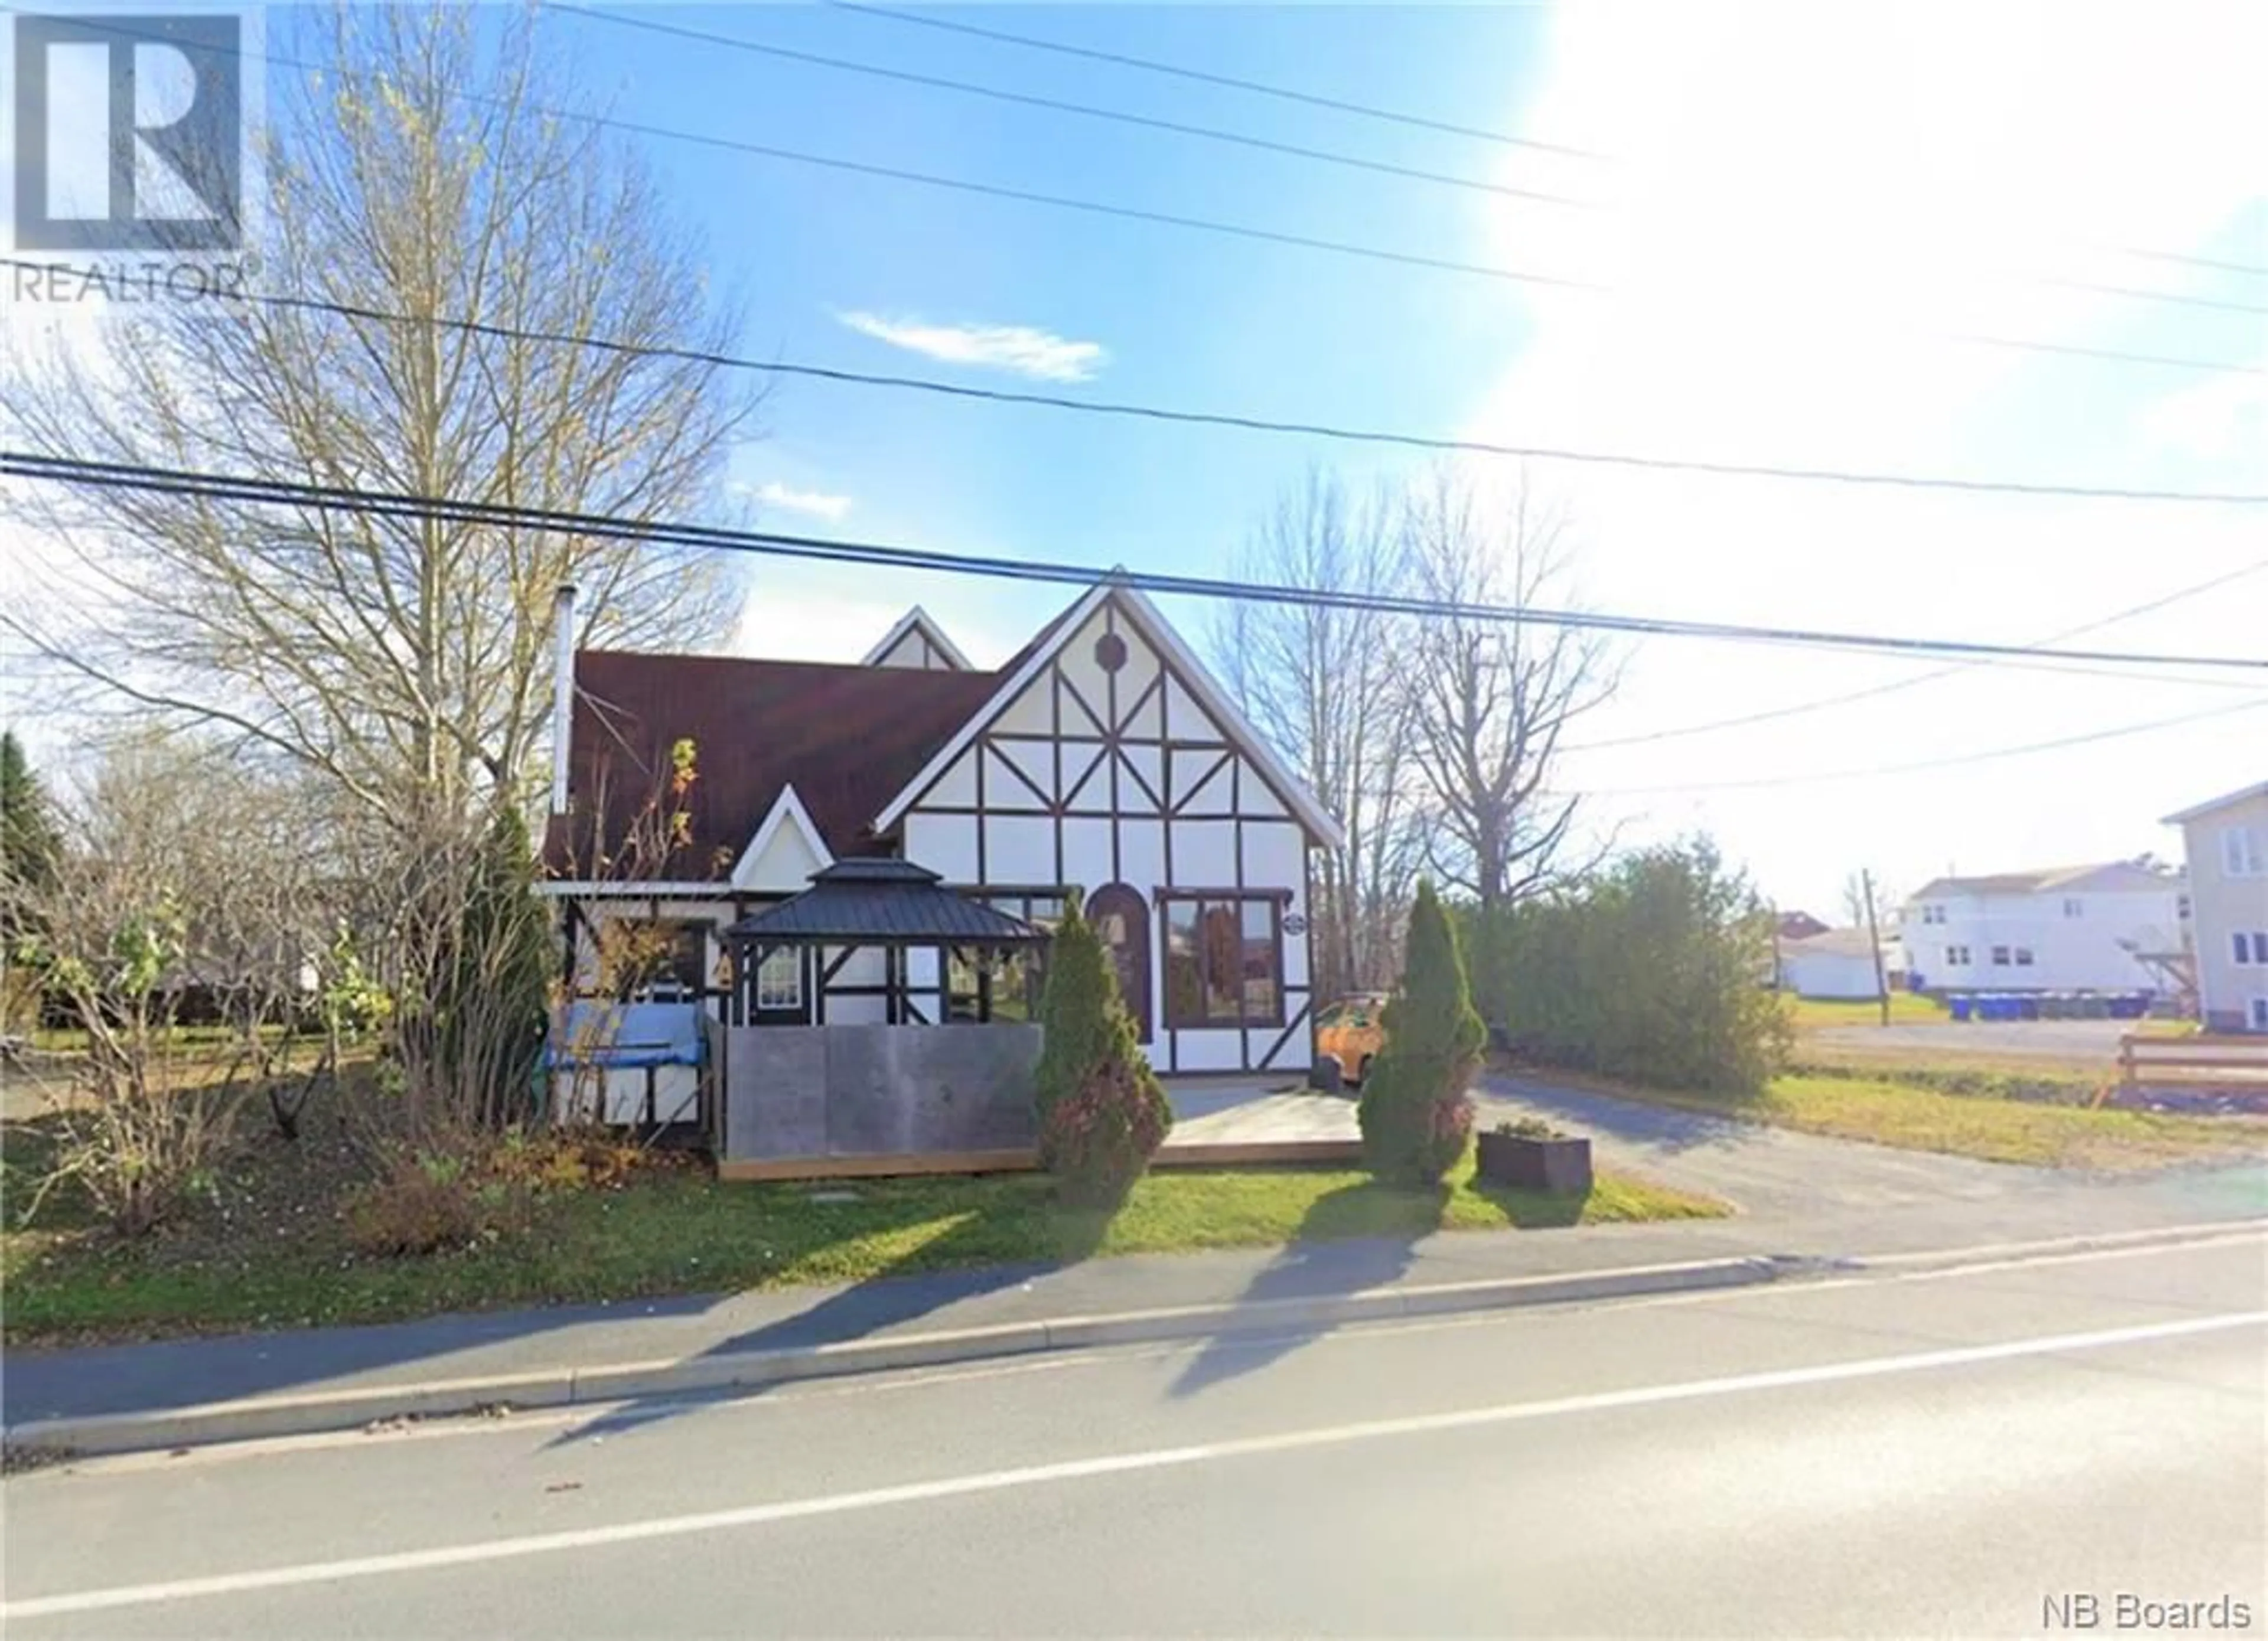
[2056, 1134]
[1907, 1008]
[681, 1232]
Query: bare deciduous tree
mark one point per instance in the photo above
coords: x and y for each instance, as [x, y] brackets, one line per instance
[1488, 701]
[401, 656]
[1320, 684]
[183, 891]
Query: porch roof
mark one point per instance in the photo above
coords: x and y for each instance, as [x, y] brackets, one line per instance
[869, 902]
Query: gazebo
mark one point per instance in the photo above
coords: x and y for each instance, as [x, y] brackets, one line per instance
[835, 1069]
[891, 907]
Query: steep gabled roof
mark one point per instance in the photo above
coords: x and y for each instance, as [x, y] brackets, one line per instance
[918, 619]
[844, 737]
[854, 743]
[1028, 664]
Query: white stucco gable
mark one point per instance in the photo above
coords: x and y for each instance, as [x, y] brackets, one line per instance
[784, 852]
[917, 641]
[1188, 693]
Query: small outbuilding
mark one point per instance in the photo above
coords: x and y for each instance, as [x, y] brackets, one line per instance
[1839, 963]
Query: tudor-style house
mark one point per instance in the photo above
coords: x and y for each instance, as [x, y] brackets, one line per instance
[1101, 760]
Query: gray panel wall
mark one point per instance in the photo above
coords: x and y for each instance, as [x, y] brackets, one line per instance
[866, 1090]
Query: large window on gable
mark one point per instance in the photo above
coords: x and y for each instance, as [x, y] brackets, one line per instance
[1224, 960]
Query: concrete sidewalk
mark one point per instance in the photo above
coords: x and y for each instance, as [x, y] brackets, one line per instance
[252, 1385]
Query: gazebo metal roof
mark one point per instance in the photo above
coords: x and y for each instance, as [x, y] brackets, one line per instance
[865, 901]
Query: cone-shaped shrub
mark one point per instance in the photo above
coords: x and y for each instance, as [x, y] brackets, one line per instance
[1101, 1113]
[1416, 1113]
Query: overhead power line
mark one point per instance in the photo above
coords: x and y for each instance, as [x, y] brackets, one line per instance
[1281, 92]
[228, 487]
[1210, 418]
[1213, 133]
[1151, 65]
[1119, 116]
[1803, 708]
[1987, 755]
[1199, 224]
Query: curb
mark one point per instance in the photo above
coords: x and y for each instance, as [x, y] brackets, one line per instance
[266, 1417]
[313, 1412]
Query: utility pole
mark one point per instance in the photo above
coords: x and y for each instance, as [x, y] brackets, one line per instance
[1874, 943]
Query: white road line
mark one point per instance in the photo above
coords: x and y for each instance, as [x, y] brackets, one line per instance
[1113, 1464]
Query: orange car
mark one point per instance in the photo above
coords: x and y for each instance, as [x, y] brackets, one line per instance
[1347, 1035]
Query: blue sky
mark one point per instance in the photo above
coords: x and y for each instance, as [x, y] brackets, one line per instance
[1181, 316]
[1805, 204]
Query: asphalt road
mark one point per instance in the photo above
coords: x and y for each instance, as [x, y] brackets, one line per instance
[1939, 1454]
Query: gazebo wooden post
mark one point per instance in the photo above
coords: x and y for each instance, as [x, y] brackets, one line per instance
[984, 987]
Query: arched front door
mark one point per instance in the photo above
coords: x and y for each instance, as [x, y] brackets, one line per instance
[1122, 922]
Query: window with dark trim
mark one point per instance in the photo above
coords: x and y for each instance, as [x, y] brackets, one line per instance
[1224, 960]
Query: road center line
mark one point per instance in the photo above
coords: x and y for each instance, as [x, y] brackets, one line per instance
[1115, 1464]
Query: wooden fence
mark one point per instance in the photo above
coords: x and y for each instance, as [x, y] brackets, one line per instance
[2219, 1063]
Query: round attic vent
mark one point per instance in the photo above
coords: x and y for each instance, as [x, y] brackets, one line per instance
[1110, 652]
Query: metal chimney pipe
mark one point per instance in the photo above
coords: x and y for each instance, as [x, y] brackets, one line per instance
[562, 690]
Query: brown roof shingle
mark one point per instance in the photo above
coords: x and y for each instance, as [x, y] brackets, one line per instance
[846, 738]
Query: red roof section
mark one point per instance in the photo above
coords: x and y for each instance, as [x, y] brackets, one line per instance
[846, 738]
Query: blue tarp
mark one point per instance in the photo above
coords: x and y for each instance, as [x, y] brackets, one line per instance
[629, 1034]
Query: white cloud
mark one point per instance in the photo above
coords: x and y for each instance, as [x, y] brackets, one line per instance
[1019, 349]
[806, 613]
[816, 504]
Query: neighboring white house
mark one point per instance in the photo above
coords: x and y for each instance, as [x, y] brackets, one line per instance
[1834, 963]
[2062, 929]
[1101, 760]
[2226, 839]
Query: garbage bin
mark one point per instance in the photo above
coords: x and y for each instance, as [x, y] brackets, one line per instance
[1959, 1003]
[2027, 1008]
[2095, 1008]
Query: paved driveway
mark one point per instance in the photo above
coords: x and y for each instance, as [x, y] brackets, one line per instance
[1763, 1170]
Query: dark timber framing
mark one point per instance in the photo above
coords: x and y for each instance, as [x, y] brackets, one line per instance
[1099, 739]
[1110, 724]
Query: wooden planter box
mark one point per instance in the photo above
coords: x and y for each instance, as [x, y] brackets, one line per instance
[1537, 1165]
